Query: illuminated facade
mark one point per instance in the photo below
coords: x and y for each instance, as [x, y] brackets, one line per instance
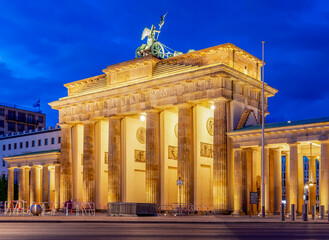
[128, 134]
[189, 102]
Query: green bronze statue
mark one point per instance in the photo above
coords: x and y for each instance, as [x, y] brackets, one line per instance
[153, 46]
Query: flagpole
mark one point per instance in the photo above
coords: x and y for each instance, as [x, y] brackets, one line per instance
[263, 140]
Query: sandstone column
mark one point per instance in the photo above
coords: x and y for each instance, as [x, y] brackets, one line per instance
[114, 165]
[51, 189]
[89, 163]
[33, 185]
[312, 182]
[287, 177]
[57, 185]
[152, 156]
[293, 173]
[185, 152]
[21, 184]
[267, 179]
[220, 172]
[45, 190]
[10, 184]
[277, 180]
[237, 187]
[66, 187]
[324, 180]
[27, 184]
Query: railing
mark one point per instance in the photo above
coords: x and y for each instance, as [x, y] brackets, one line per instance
[19, 207]
[19, 107]
[183, 209]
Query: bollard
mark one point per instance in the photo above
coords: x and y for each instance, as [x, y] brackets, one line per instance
[322, 212]
[282, 213]
[293, 212]
[314, 212]
[305, 212]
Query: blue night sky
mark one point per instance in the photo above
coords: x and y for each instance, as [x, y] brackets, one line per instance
[44, 44]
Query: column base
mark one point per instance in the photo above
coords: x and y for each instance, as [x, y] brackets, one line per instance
[238, 212]
[222, 212]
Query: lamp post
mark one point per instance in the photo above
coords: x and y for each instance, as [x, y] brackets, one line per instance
[263, 138]
[179, 184]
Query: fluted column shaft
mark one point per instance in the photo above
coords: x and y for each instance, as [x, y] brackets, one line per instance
[312, 186]
[21, 184]
[33, 185]
[277, 180]
[324, 181]
[114, 163]
[10, 184]
[57, 184]
[185, 152]
[66, 185]
[267, 179]
[220, 172]
[45, 189]
[288, 182]
[237, 188]
[89, 163]
[293, 174]
[152, 156]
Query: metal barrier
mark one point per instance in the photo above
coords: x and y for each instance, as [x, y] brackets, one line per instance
[20, 207]
[15, 207]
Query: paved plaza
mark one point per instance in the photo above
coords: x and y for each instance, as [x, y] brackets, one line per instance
[201, 227]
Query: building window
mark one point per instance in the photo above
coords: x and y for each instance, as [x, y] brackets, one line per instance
[3, 147]
[2, 112]
[40, 119]
[39, 142]
[11, 115]
[30, 118]
[2, 123]
[3, 163]
[33, 143]
[26, 144]
[29, 127]
[9, 146]
[2, 133]
[15, 145]
[21, 145]
[11, 126]
[52, 140]
[46, 141]
[20, 127]
[59, 139]
[21, 117]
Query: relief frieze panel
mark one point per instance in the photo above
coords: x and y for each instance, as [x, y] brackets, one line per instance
[206, 150]
[172, 152]
[140, 156]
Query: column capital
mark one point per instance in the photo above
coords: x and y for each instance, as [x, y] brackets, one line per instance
[220, 100]
[324, 141]
[90, 121]
[185, 105]
[116, 117]
[66, 125]
[293, 144]
[153, 110]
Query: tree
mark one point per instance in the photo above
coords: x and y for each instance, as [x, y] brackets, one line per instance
[3, 188]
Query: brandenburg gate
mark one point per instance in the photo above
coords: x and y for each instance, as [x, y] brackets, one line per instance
[131, 132]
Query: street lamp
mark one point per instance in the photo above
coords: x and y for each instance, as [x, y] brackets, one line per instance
[180, 184]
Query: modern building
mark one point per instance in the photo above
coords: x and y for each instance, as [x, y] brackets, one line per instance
[19, 119]
[130, 133]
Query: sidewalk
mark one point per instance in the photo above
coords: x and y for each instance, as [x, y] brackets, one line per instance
[102, 218]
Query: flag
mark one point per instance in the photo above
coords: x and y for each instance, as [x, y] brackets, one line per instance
[37, 104]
